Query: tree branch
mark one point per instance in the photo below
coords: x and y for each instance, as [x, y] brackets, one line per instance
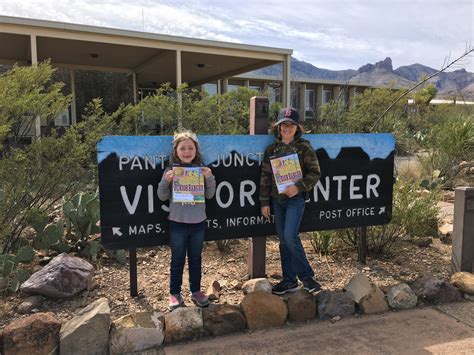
[444, 67]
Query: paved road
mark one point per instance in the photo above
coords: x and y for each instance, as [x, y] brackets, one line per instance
[447, 329]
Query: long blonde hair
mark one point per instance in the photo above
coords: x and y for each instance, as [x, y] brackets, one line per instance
[182, 136]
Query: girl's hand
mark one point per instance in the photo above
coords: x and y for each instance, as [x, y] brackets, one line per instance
[206, 171]
[169, 175]
[291, 191]
[265, 210]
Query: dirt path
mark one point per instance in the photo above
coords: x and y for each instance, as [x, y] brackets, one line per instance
[427, 330]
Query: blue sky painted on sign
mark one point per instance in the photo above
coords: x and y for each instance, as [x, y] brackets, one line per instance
[376, 145]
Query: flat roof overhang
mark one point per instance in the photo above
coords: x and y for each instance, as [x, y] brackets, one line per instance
[151, 56]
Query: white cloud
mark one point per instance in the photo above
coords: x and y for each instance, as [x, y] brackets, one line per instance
[333, 35]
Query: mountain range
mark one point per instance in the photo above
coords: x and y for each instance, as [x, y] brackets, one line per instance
[458, 83]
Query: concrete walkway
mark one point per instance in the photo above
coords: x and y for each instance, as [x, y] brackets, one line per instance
[446, 329]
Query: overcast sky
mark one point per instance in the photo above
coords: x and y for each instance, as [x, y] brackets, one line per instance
[337, 34]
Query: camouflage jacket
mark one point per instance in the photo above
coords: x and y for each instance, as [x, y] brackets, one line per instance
[309, 165]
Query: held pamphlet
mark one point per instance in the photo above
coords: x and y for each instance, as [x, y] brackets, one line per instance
[286, 170]
[188, 184]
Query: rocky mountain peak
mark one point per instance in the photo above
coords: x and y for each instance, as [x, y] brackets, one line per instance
[382, 66]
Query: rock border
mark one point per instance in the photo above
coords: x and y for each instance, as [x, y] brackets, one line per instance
[259, 309]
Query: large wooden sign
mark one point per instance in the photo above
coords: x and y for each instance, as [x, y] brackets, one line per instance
[355, 188]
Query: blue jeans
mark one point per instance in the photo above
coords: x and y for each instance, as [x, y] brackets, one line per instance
[186, 238]
[288, 216]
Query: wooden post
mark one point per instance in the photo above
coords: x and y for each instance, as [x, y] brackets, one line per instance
[463, 230]
[132, 253]
[257, 245]
[362, 246]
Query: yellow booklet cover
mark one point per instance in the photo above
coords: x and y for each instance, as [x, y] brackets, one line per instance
[286, 170]
[188, 184]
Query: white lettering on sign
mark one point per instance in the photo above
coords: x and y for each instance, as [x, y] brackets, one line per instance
[323, 188]
[218, 194]
[349, 212]
[353, 188]
[249, 221]
[131, 207]
[247, 194]
[145, 229]
[339, 179]
[372, 187]
[238, 160]
[148, 162]
[246, 191]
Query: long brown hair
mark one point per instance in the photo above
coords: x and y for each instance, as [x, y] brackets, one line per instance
[298, 133]
[182, 136]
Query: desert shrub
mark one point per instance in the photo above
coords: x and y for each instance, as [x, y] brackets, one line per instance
[414, 214]
[204, 114]
[450, 142]
[322, 241]
[25, 93]
[36, 177]
[416, 211]
[363, 114]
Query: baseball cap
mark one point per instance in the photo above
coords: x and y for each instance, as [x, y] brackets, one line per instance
[288, 114]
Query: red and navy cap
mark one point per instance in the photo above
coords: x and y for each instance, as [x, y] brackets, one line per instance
[288, 114]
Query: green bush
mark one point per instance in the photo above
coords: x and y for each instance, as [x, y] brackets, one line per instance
[450, 142]
[414, 214]
[11, 276]
[25, 93]
[322, 241]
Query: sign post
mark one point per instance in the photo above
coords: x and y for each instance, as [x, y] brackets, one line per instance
[256, 257]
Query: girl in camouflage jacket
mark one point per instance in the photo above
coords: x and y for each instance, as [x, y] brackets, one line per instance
[288, 207]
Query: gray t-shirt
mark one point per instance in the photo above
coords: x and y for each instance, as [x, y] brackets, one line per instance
[186, 212]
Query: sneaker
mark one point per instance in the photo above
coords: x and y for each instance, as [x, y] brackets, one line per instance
[284, 287]
[310, 285]
[176, 301]
[200, 299]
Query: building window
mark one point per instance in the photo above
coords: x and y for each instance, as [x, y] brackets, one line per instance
[309, 104]
[294, 97]
[211, 89]
[232, 87]
[274, 93]
[256, 88]
[326, 96]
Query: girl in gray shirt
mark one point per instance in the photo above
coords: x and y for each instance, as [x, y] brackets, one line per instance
[187, 222]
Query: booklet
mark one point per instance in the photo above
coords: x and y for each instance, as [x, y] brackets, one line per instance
[286, 170]
[188, 184]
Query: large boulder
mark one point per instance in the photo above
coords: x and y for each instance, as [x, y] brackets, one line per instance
[368, 297]
[253, 285]
[301, 306]
[433, 290]
[464, 281]
[88, 331]
[401, 296]
[263, 310]
[221, 319]
[136, 332]
[184, 323]
[335, 303]
[34, 335]
[64, 277]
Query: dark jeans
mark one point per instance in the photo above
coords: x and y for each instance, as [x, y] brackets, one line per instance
[186, 238]
[288, 215]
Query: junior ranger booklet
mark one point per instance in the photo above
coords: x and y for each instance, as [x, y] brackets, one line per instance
[286, 170]
[188, 184]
